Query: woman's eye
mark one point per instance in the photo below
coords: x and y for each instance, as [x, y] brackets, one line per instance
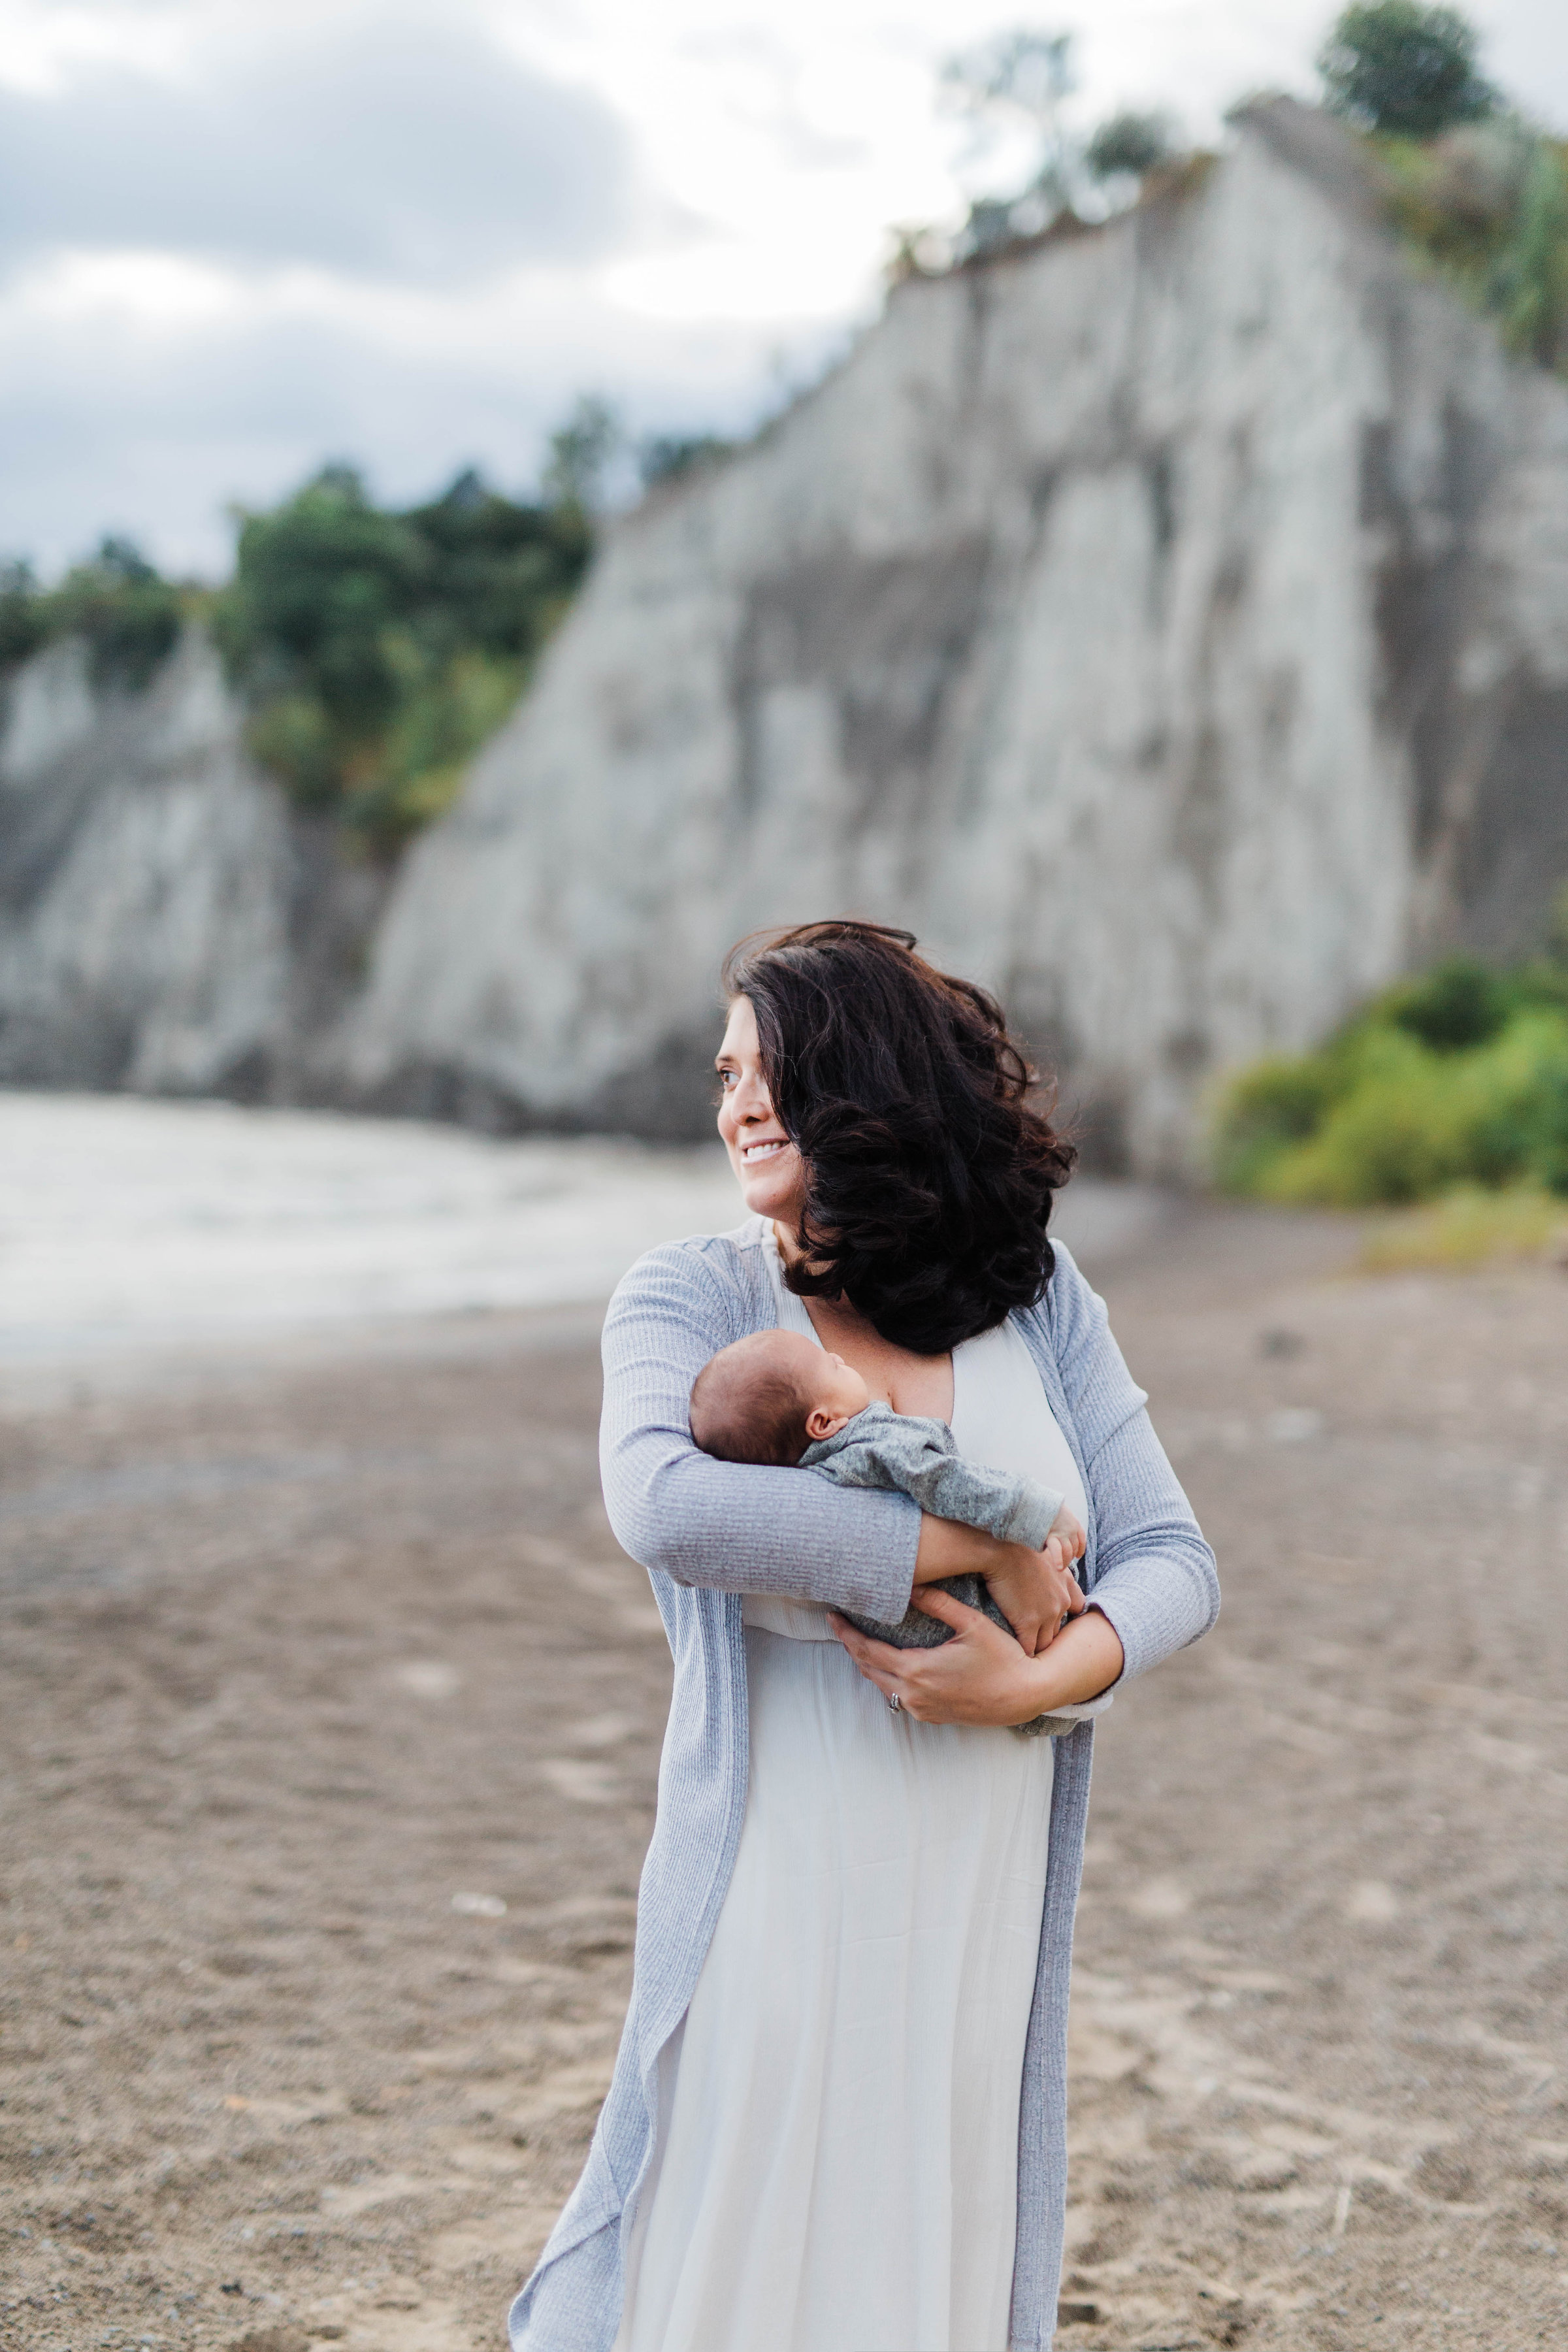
[726, 1080]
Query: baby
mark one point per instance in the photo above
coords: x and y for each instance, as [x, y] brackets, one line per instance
[777, 1398]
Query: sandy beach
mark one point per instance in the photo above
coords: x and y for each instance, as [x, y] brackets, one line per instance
[330, 1713]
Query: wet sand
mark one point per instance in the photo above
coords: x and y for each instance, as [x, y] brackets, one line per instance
[314, 1661]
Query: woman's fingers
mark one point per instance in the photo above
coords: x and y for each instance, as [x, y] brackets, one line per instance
[928, 1675]
[915, 1675]
[948, 1606]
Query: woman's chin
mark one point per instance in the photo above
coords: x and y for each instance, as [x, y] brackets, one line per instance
[780, 1208]
[771, 1192]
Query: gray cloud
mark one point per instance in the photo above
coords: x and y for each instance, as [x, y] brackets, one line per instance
[396, 151]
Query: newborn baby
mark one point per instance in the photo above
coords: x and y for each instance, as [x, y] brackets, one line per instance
[777, 1398]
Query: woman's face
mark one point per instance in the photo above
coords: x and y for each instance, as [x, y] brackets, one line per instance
[767, 1166]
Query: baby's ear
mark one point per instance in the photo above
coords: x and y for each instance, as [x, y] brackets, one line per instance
[820, 1423]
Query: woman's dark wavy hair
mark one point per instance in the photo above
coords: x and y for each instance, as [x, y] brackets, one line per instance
[929, 1174]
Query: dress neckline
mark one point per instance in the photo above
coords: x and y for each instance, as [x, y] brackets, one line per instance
[795, 1315]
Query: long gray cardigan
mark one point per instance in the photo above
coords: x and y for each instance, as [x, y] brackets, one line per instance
[708, 1532]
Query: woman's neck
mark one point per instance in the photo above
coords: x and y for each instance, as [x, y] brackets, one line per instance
[791, 1254]
[911, 1383]
[787, 1241]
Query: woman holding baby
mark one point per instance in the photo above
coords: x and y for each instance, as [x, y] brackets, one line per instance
[838, 2121]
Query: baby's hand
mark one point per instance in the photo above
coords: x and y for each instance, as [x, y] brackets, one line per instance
[1036, 1590]
[1067, 1532]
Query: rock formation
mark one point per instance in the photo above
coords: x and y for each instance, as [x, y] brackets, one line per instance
[1169, 621]
[168, 924]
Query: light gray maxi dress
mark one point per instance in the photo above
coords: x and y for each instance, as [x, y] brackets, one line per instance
[693, 1522]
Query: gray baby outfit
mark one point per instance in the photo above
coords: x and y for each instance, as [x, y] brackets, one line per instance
[903, 1454]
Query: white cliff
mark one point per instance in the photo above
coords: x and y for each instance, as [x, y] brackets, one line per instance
[167, 924]
[1169, 623]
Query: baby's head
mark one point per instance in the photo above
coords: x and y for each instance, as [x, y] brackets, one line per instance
[767, 1398]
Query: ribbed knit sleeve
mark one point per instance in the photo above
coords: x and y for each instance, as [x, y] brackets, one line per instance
[725, 1524]
[1155, 1576]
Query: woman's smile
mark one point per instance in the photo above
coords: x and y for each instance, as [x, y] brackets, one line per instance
[767, 1164]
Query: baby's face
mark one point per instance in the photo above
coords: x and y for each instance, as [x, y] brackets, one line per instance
[836, 1388]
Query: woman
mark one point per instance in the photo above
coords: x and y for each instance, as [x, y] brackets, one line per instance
[837, 2117]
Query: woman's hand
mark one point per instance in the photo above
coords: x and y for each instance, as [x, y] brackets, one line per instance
[983, 1675]
[1036, 1591]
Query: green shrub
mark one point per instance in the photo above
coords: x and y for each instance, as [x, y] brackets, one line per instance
[1527, 287]
[1460, 1003]
[377, 650]
[1278, 1102]
[1457, 1079]
[1395, 65]
[1130, 143]
[1478, 192]
[23, 628]
[1486, 207]
[1547, 1129]
[126, 614]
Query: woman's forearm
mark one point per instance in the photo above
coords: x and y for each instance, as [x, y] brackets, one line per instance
[1085, 1659]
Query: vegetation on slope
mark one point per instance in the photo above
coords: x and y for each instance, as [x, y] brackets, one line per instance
[127, 614]
[1478, 193]
[377, 649]
[1456, 1078]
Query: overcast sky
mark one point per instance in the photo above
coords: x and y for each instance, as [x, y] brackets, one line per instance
[236, 240]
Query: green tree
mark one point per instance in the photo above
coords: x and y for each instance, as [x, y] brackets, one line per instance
[377, 649]
[117, 604]
[1026, 73]
[322, 586]
[582, 452]
[121, 608]
[500, 573]
[22, 624]
[1129, 143]
[1396, 66]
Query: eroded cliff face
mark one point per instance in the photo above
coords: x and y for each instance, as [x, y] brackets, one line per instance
[1169, 623]
[167, 923]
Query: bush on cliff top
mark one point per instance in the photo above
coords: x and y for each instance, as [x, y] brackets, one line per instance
[1396, 66]
[378, 649]
[1461, 1077]
[1478, 193]
[127, 614]
[1486, 209]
